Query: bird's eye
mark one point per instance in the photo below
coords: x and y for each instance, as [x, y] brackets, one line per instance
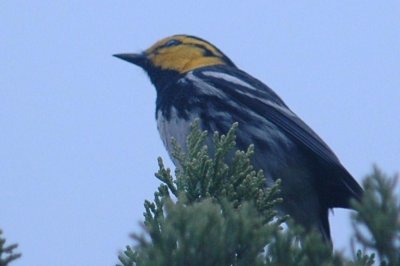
[172, 42]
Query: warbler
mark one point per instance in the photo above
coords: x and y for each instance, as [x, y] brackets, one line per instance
[196, 80]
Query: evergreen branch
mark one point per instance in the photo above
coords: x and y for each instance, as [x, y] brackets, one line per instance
[7, 254]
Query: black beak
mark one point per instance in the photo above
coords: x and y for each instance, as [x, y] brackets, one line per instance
[137, 59]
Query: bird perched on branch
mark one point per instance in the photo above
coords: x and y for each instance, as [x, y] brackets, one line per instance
[194, 79]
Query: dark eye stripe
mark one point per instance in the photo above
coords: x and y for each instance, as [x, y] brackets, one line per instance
[172, 42]
[206, 52]
[209, 53]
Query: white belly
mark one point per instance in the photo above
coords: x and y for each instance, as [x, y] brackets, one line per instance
[176, 128]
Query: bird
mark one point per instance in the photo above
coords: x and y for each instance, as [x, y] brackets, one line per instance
[196, 80]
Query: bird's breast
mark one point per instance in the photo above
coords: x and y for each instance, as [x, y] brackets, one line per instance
[171, 127]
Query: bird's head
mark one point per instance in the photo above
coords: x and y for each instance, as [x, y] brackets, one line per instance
[173, 56]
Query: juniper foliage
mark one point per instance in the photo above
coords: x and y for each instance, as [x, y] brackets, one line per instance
[7, 252]
[377, 222]
[216, 210]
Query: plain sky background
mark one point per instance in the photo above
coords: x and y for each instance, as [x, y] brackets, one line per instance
[78, 139]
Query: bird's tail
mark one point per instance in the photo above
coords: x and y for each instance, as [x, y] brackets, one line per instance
[340, 189]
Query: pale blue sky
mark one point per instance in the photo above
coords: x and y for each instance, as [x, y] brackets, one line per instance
[78, 140]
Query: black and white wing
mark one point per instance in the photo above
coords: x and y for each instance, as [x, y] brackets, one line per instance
[236, 89]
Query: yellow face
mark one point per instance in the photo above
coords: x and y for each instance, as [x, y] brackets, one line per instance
[183, 53]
